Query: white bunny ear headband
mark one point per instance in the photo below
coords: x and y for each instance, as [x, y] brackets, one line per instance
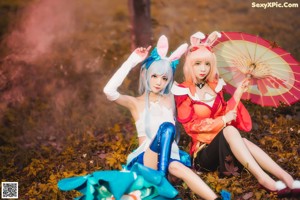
[196, 40]
[161, 50]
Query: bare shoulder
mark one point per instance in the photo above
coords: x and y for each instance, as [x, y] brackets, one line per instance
[140, 102]
[131, 103]
[127, 101]
[139, 107]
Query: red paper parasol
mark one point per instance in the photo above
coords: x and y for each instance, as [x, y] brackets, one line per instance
[274, 74]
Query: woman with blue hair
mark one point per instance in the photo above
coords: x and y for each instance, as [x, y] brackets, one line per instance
[154, 114]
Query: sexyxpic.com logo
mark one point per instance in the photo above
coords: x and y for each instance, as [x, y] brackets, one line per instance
[274, 5]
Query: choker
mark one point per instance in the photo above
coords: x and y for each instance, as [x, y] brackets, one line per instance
[200, 85]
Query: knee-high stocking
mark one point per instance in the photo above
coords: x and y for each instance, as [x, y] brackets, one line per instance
[162, 144]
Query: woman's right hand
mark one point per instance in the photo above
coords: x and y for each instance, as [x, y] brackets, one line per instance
[230, 116]
[142, 52]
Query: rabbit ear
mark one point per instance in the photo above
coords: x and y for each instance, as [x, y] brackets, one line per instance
[178, 52]
[162, 46]
[196, 38]
[212, 38]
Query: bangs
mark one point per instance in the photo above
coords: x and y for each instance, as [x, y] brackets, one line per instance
[202, 54]
[160, 67]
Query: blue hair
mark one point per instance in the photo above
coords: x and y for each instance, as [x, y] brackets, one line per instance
[159, 67]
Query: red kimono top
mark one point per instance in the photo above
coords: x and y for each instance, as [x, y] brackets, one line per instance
[202, 120]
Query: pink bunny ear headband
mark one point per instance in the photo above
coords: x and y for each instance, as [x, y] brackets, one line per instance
[161, 50]
[196, 38]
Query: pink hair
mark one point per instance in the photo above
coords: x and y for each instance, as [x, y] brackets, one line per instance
[200, 54]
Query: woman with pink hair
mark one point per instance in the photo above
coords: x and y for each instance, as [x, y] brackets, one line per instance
[213, 123]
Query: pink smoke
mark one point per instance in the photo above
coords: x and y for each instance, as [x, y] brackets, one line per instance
[41, 24]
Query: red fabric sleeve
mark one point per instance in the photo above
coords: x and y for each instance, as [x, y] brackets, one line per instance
[204, 125]
[243, 120]
[184, 108]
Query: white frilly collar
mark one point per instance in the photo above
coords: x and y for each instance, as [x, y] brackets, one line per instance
[176, 90]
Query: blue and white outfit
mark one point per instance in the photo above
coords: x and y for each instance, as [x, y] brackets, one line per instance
[160, 117]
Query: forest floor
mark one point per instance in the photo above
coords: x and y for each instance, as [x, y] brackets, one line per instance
[38, 165]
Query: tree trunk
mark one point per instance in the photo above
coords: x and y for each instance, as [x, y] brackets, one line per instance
[140, 17]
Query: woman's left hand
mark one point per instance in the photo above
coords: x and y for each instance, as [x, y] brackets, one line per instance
[243, 87]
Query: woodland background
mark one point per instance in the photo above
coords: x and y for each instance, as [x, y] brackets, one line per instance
[56, 56]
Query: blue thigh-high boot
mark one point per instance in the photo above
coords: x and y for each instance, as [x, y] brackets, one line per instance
[162, 145]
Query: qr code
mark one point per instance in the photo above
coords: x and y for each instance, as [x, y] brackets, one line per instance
[9, 190]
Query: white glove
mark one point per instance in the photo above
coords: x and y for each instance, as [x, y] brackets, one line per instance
[110, 90]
